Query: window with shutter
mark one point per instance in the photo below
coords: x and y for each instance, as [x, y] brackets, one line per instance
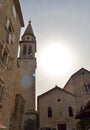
[10, 32]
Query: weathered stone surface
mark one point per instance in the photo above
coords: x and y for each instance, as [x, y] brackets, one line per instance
[8, 66]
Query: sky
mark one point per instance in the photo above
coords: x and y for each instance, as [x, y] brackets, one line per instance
[62, 30]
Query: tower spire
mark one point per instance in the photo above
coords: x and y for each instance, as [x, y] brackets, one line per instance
[29, 30]
[28, 43]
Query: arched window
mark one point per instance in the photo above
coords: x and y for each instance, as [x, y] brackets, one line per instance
[29, 50]
[49, 112]
[70, 110]
[24, 50]
[87, 87]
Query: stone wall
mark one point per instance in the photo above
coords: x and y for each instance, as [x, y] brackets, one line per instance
[59, 101]
[9, 38]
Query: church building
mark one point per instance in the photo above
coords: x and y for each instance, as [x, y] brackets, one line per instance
[58, 107]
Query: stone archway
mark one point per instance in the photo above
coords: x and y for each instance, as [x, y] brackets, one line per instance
[29, 124]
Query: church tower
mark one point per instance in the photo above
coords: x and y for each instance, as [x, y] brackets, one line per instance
[27, 67]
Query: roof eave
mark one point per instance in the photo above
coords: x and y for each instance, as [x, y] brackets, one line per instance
[18, 9]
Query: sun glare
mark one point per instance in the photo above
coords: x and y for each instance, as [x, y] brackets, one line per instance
[55, 60]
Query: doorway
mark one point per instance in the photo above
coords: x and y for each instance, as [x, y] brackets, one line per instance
[61, 126]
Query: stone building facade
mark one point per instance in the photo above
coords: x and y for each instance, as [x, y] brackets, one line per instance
[54, 108]
[58, 107]
[17, 76]
[11, 21]
[79, 85]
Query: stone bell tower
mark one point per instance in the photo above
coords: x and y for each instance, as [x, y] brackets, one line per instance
[27, 67]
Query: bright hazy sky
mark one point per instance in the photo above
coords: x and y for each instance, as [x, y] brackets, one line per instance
[59, 22]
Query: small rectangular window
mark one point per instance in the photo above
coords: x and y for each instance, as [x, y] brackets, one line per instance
[14, 11]
[1, 46]
[13, 38]
[10, 32]
[7, 23]
[4, 55]
[9, 38]
[1, 1]
[10, 63]
[1, 92]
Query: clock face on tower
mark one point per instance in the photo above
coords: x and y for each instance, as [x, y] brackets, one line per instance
[26, 81]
